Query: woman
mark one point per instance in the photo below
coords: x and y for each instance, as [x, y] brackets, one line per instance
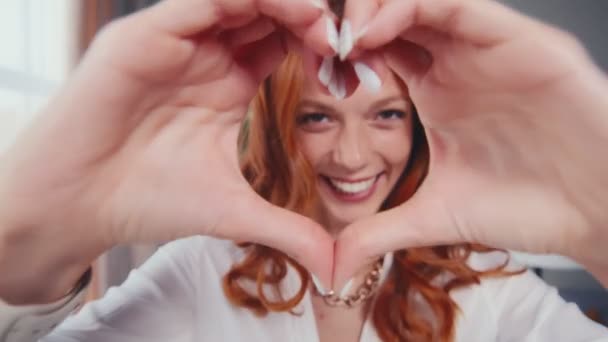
[164, 123]
[336, 162]
[339, 162]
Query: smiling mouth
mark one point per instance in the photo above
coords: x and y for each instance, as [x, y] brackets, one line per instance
[351, 191]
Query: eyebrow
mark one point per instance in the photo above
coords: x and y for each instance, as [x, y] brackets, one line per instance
[316, 104]
[388, 100]
[380, 103]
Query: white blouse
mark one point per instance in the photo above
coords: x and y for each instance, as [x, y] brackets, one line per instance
[177, 296]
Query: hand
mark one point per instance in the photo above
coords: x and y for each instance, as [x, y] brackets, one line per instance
[515, 115]
[141, 144]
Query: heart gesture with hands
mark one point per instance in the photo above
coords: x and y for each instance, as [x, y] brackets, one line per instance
[512, 166]
[141, 144]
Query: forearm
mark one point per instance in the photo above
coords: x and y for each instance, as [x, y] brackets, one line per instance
[591, 248]
[46, 243]
[36, 269]
[599, 271]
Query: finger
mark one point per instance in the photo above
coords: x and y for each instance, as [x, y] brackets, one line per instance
[419, 222]
[292, 12]
[190, 17]
[427, 38]
[370, 71]
[252, 32]
[341, 79]
[309, 20]
[318, 69]
[476, 22]
[262, 57]
[187, 17]
[322, 36]
[356, 15]
[408, 60]
[252, 219]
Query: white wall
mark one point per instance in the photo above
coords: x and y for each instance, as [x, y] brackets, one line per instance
[586, 19]
[38, 47]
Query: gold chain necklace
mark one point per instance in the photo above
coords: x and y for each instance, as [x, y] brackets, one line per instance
[364, 292]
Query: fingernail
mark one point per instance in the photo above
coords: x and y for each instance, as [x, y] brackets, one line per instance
[333, 38]
[318, 4]
[361, 33]
[326, 70]
[368, 77]
[346, 39]
[346, 288]
[341, 87]
[337, 87]
[318, 284]
[333, 87]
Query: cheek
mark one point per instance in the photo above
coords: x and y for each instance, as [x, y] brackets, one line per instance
[395, 146]
[314, 146]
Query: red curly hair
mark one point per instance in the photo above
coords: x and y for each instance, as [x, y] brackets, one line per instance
[279, 172]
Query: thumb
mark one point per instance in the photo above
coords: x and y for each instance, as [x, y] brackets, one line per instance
[408, 60]
[252, 219]
[262, 57]
[421, 221]
[475, 22]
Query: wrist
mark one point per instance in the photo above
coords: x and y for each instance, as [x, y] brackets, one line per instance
[598, 270]
[36, 269]
[590, 195]
[38, 282]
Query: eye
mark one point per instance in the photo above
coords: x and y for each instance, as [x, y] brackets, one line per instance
[312, 118]
[391, 114]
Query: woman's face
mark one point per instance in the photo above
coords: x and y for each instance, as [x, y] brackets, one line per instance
[358, 148]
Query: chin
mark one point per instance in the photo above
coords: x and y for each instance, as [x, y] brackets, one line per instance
[343, 202]
[341, 217]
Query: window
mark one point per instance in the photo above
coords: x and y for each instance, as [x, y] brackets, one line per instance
[39, 47]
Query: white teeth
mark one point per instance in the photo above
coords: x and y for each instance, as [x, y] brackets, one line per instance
[353, 188]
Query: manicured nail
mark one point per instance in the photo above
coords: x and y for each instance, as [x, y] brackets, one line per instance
[368, 77]
[318, 284]
[318, 4]
[326, 70]
[346, 39]
[341, 86]
[333, 38]
[387, 261]
[337, 86]
[361, 33]
[333, 87]
[346, 288]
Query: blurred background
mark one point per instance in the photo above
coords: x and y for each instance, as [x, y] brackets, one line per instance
[42, 41]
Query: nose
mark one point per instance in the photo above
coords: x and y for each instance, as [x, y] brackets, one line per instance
[350, 150]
